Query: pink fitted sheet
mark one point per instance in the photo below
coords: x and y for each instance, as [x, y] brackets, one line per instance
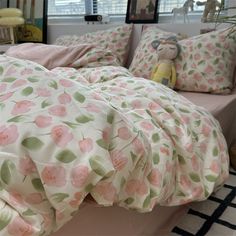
[222, 107]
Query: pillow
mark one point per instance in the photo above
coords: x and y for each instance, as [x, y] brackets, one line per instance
[51, 56]
[115, 39]
[205, 63]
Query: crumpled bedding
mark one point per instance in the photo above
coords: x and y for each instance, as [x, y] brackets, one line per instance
[124, 140]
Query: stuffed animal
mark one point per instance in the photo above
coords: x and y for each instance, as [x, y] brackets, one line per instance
[164, 71]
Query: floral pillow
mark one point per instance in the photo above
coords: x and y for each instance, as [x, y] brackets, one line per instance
[115, 39]
[205, 64]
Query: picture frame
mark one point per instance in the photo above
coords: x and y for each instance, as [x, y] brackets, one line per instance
[35, 14]
[142, 11]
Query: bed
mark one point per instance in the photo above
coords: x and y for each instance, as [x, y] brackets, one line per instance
[83, 132]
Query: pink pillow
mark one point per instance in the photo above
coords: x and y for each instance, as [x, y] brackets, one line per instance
[51, 56]
[115, 39]
[205, 64]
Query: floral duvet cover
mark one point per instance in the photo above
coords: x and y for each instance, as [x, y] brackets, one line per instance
[127, 141]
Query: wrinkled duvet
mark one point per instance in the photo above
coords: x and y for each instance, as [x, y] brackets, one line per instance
[127, 141]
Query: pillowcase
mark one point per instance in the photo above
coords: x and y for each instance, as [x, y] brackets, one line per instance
[51, 56]
[115, 39]
[205, 64]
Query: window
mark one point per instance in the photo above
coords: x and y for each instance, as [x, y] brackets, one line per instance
[81, 7]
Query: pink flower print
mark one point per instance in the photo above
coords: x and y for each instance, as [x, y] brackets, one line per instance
[165, 151]
[210, 46]
[217, 52]
[203, 87]
[26, 71]
[79, 176]
[185, 182]
[185, 119]
[43, 92]
[178, 131]
[66, 83]
[3, 87]
[43, 121]
[77, 199]
[119, 160]
[92, 108]
[215, 166]
[153, 106]
[211, 81]
[189, 147]
[61, 135]
[155, 177]
[8, 135]
[59, 215]
[18, 83]
[124, 133]
[19, 227]
[197, 76]
[220, 79]
[10, 71]
[195, 163]
[226, 45]
[197, 192]
[206, 130]
[138, 147]
[15, 198]
[136, 186]
[193, 65]
[203, 147]
[58, 110]
[136, 104]
[147, 125]
[22, 107]
[34, 198]
[169, 166]
[106, 134]
[54, 176]
[26, 166]
[142, 188]
[64, 98]
[178, 67]
[106, 190]
[197, 56]
[86, 145]
[209, 69]
[4, 97]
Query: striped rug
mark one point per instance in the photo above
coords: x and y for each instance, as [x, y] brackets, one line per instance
[213, 217]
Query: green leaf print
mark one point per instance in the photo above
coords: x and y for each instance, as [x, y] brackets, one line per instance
[97, 165]
[102, 144]
[1, 70]
[155, 137]
[194, 177]
[37, 184]
[211, 178]
[184, 110]
[110, 118]
[66, 156]
[129, 200]
[2, 105]
[38, 68]
[45, 103]
[28, 212]
[133, 156]
[79, 97]
[32, 143]
[59, 197]
[146, 202]
[9, 79]
[33, 79]
[156, 158]
[84, 119]
[5, 218]
[27, 91]
[7, 170]
[215, 152]
[16, 119]
[70, 124]
[197, 123]
[53, 84]
[181, 160]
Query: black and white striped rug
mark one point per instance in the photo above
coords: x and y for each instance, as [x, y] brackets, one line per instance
[213, 217]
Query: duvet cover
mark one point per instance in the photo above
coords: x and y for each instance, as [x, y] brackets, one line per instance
[68, 133]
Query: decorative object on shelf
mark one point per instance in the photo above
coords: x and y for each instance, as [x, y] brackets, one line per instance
[183, 10]
[10, 20]
[209, 10]
[35, 27]
[164, 71]
[142, 11]
[97, 18]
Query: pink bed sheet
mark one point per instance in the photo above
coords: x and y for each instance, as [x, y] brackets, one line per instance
[222, 107]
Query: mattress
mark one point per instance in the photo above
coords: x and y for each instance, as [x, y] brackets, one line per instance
[222, 107]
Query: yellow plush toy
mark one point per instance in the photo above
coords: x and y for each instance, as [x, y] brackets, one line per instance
[164, 71]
